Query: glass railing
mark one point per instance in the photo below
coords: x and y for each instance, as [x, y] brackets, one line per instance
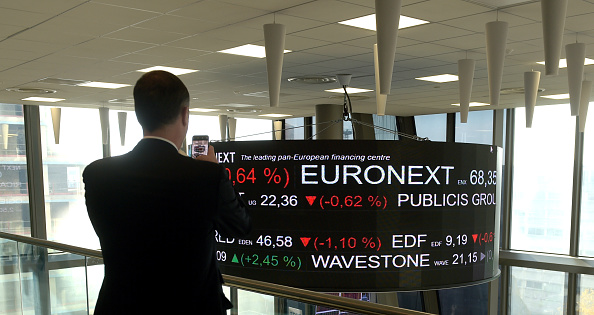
[44, 277]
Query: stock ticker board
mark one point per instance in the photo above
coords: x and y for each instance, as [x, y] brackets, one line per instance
[332, 215]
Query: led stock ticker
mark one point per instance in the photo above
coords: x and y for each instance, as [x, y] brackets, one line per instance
[364, 215]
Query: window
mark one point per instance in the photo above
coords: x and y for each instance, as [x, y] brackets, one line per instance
[132, 136]
[431, 126]
[534, 291]
[14, 200]
[67, 220]
[543, 180]
[386, 122]
[587, 214]
[478, 129]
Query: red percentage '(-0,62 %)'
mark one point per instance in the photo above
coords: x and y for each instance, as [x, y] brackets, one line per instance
[373, 243]
[274, 176]
[336, 202]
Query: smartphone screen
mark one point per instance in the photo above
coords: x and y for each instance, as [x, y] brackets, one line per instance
[199, 145]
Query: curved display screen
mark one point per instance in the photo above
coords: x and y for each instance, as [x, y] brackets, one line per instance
[332, 215]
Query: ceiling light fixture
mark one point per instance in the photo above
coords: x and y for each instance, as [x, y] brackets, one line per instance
[368, 22]
[176, 71]
[203, 110]
[563, 62]
[474, 104]
[350, 90]
[557, 96]
[103, 85]
[275, 115]
[43, 99]
[441, 78]
[248, 50]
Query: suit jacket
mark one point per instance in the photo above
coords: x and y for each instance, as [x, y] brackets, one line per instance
[155, 212]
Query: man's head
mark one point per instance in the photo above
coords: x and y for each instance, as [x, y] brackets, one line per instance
[159, 97]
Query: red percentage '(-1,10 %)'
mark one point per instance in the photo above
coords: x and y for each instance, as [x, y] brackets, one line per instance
[349, 201]
[373, 243]
[272, 176]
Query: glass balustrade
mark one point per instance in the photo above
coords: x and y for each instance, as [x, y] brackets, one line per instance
[40, 279]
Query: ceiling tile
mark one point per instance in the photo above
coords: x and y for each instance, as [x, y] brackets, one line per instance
[144, 35]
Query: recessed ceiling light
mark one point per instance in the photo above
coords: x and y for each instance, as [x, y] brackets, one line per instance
[248, 50]
[368, 22]
[103, 85]
[275, 115]
[474, 104]
[203, 110]
[441, 78]
[557, 96]
[350, 90]
[563, 62]
[235, 105]
[176, 71]
[42, 99]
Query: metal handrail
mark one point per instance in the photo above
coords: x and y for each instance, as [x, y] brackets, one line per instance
[295, 294]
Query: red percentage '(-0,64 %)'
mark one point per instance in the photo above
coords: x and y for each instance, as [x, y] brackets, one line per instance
[336, 202]
[373, 243]
[271, 176]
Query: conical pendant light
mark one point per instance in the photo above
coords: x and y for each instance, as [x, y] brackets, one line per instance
[104, 119]
[387, 20]
[232, 127]
[576, 55]
[465, 78]
[380, 99]
[584, 102]
[531, 81]
[496, 41]
[274, 43]
[553, 24]
[223, 121]
[122, 117]
[56, 119]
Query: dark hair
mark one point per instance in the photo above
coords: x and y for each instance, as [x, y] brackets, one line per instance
[158, 99]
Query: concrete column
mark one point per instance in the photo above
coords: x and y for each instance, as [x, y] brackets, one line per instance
[326, 127]
[363, 132]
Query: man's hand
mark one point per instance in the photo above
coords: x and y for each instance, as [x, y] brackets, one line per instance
[210, 157]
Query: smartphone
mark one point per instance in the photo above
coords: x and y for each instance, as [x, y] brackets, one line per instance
[199, 145]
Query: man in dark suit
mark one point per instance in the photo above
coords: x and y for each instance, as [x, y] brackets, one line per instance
[156, 211]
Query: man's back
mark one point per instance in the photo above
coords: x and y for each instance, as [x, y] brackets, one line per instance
[155, 213]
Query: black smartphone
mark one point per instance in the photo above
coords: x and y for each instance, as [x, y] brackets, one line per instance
[199, 145]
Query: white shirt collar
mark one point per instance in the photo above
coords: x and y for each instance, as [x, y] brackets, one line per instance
[166, 140]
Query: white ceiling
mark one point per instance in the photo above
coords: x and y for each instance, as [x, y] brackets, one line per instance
[108, 40]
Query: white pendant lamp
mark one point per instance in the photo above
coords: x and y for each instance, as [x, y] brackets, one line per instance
[104, 119]
[232, 127]
[56, 119]
[576, 55]
[496, 41]
[465, 78]
[274, 43]
[380, 99]
[122, 118]
[223, 121]
[5, 136]
[584, 102]
[553, 25]
[387, 19]
[531, 81]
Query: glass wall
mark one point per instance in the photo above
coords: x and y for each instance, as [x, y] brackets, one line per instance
[14, 193]
[132, 135]
[432, 126]
[587, 214]
[543, 180]
[387, 122]
[80, 143]
[533, 291]
[478, 128]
